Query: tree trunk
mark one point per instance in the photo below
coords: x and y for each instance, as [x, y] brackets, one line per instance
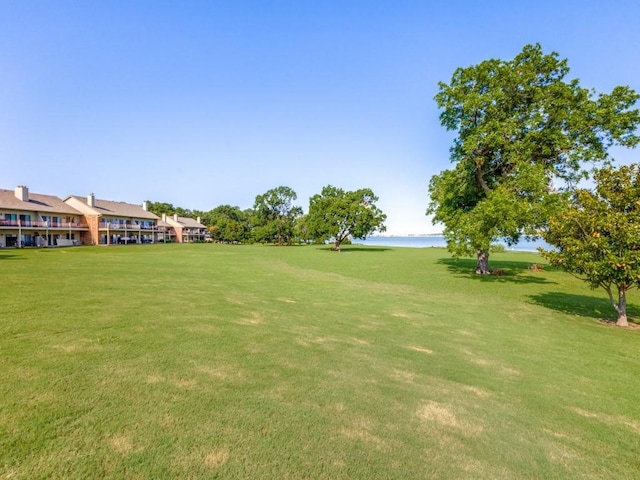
[622, 308]
[338, 246]
[482, 265]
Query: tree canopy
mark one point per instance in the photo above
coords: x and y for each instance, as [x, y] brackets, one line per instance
[597, 238]
[339, 214]
[160, 208]
[228, 224]
[275, 215]
[523, 131]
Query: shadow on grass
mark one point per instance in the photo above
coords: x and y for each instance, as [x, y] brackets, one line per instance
[9, 256]
[355, 249]
[583, 305]
[513, 272]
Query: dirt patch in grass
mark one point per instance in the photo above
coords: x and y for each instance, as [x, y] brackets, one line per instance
[254, 318]
[612, 323]
[326, 341]
[363, 435]
[67, 348]
[122, 444]
[420, 349]
[220, 371]
[287, 300]
[478, 392]
[199, 458]
[609, 419]
[465, 333]
[438, 413]
[181, 383]
[155, 379]
[510, 371]
[82, 345]
[361, 429]
[485, 363]
[215, 458]
[184, 383]
[403, 375]
[443, 415]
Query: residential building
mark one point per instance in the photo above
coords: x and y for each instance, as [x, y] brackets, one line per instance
[32, 219]
[184, 229]
[112, 223]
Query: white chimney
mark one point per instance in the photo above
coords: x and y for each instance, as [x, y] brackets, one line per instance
[145, 206]
[22, 193]
[198, 220]
[91, 200]
[175, 217]
[164, 217]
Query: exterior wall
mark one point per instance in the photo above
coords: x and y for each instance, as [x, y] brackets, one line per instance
[185, 229]
[178, 231]
[33, 228]
[93, 235]
[116, 222]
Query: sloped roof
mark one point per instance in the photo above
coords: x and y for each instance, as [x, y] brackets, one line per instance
[37, 202]
[184, 222]
[117, 209]
[190, 222]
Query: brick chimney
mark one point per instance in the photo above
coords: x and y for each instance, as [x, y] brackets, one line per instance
[22, 193]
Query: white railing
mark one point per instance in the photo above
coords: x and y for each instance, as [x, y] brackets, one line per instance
[40, 224]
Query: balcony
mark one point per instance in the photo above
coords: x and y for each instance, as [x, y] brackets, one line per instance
[126, 226]
[39, 225]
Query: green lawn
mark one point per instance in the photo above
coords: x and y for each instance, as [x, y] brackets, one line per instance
[212, 361]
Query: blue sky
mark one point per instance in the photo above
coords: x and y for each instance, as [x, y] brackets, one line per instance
[207, 103]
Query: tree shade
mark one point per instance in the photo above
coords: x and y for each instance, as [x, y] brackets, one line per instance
[597, 238]
[524, 133]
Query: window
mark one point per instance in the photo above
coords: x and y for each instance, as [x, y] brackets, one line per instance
[11, 219]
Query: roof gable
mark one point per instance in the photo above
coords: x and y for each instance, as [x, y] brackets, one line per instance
[116, 209]
[36, 203]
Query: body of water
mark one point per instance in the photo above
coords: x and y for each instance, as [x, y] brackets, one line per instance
[426, 241]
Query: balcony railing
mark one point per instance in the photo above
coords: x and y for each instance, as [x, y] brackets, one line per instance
[40, 224]
[126, 226]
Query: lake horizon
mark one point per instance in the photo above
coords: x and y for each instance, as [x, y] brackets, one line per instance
[430, 240]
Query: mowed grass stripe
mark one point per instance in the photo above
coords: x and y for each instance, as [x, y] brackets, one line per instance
[203, 361]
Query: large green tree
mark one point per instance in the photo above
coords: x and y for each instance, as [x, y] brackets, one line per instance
[597, 238]
[275, 215]
[227, 224]
[523, 131]
[301, 230]
[339, 214]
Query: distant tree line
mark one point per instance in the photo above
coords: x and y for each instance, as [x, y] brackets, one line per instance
[334, 215]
